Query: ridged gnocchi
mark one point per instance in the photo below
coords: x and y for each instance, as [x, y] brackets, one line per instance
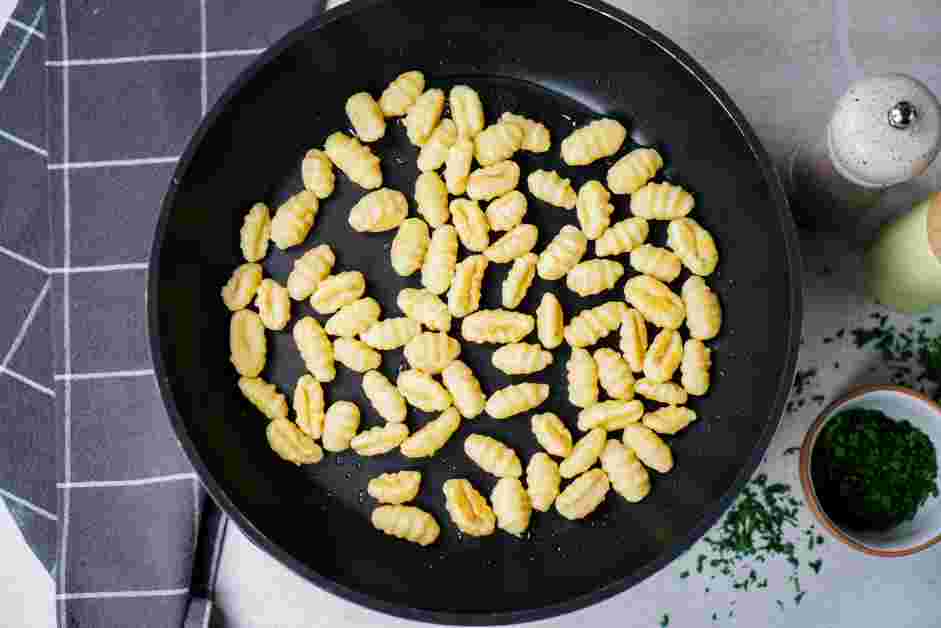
[291, 444]
[440, 260]
[432, 352]
[655, 301]
[657, 262]
[516, 399]
[294, 219]
[663, 392]
[395, 488]
[633, 343]
[409, 246]
[550, 321]
[552, 434]
[457, 166]
[380, 439]
[542, 481]
[356, 355]
[390, 333]
[632, 171]
[315, 348]
[599, 139]
[308, 403]
[274, 304]
[340, 425]
[627, 475]
[593, 277]
[423, 116]
[622, 237]
[507, 211]
[562, 254]
[248, 345]
[610, 415]
[549, 187]
[424, 307]
[366, 117]
[496, 326]
[317, 173]
[661, 201]
[467, 110]
[694, 369]
[422, 391]
[663, 356]
[649, 448]
[521, 358]
[265, 397]
[384, 397]
[495, 180]
[432, 436]
[497, 142]
[434, 152]
[614, 374]
[518, 280]
[693, 245]
[703, 311]
[466, 393]
[584, 495]
[468, 509]
[335, 291]
[515, 243]
[669, 419]
[309, 270]
[431, 197]
[381, 210]
[581, 372]
[536, 138]
[465, 291]
[584, 454]
[511, 505]
[239, 291]
[591, 325]
[354, 160]
[407, 523]
[594, 209]
[471, 224]
[401, 93]
[353, 318]
[493, 456]
[255, 232]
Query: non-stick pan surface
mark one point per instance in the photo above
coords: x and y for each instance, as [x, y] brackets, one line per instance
[562, 62]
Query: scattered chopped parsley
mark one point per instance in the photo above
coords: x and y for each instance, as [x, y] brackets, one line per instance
[684, 573]
[791, 450]
[816, 565]
[665, 620]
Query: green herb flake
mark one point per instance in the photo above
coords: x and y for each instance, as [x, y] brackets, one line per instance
[816, 565]
[684, 574]
[665, 620]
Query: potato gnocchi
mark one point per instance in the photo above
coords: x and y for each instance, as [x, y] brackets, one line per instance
[493, 456]
[511, 505]
[614, 374]
[315, 348]
[552, 434]
[610, 415]
[407, 523]
[485, 184]
[562, 254]
[584, 495]
[536, 138]
[593, 324]
[497, 142]
[669, 420]
[516, 399]
[292, 444]
[582, 375]
[238, 292]
[467, 110]
[294, 219]
[593, 209]
[466, 287]
[694, 369]
[390, 333]
[514, 244]
[434, 152]
[309, 406]
[356, 355]
[661, 201]
[655, 301]
[402, 93]
[440, 260]
[622, 237]
[274, 304]
[432, 436]
[518, 280]
[340, 425]
[632, 171]
[663, 356]
[423, 116]
[309, 270]
[353, 318]
[380, 439]
[584, 454]
[354, 160]
[410, 246]
[468, 509]
[657, 262]
[265, 397]
[594, 277]
[649, 448]
[598, 139]
[703, 311]
[381, 210]
[465, 389]
[550, 321]
[496, 326]
[542, 481]
[317, 173]
[432, 352]
[384, 397]
[663, 392]
[425, 308]
[471, 224]
[335, 291]
[248, 345]
[255, 232]
[395, 488]
[431, 197]
[628, 476]
[457, 166]
[633, 343]
[366, 117]
[521, 358]
[549, 187]
[423, 392]
[693, 245]
[507, 211]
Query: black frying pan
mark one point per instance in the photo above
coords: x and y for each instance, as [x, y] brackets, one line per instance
[563, 62]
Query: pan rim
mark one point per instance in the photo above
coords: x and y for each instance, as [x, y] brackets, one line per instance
[710, 515]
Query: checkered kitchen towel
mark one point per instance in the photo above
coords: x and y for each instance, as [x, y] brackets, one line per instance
[89, 466]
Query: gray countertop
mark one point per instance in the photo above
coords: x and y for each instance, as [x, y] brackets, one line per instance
[784, 63]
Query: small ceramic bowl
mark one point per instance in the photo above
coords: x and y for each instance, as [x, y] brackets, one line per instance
[897, 403]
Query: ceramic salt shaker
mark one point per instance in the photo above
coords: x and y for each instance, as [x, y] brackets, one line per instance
[885, 130]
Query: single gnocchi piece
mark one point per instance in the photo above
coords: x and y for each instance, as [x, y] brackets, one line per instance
[536, 137]
[354, 318]
[380, 439]
[431, 196]
[356, 161]
[516, 399]
[562, 254]
[395, 488]
[294, 219]
[466, 287]
[649, 448]
[440, 260]
[471, 224]
[694, 369]
[582, 376]
[632, 171]
[265, 397]
[381, 210]
[511, 505]
[599, 139]
[521, 358]
[315, 348]
[432, 436]
[550, 321]
[432, 352]
[356, 355]
[514, 244]
[584, 495]
[663, 356]
[552, 435]
[495, 180]
[542, 481]
[423, 116]
[506, 212]
[518, 280]
[669, 419]
[622, 237]
[340, 425]
[614, 374]
[457, 166]
[594, 209]
[633, 344]
[591, 325]
[657, 262]
[497, 142]
[610, 415]
[317, 173]
[549, 187]
[338, 290]
[628, 476]
[434, 152]
[406, 522]
[661, 201]
[465, 389]
[390, 333]
[291, 444]
[410, 246]
[424, 307]
[248, 345]
[703, 311]
[664, 392]
[384, 397]
[493, 456]
[655, 301]
[469, 510]
[422, 391]
[365, 116]
[693, 245]
[274, 304]
[496, 326]
[584, 454]
[467, 110]
[309, 270]
[594, 276]
[401, 93]
[255, 232]
[239, 291]
[309, 406]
